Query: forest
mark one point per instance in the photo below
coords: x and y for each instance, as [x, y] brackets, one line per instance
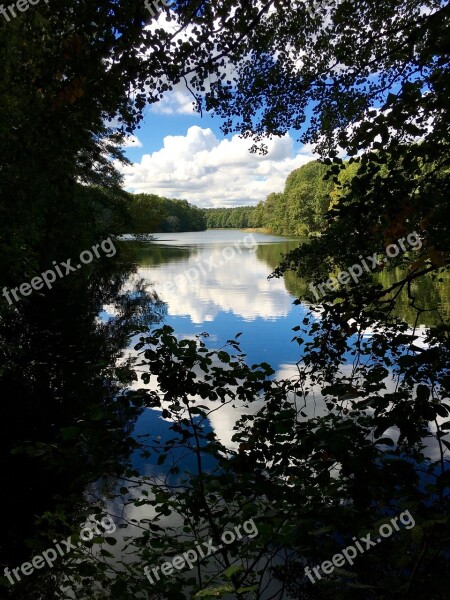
[298, 210]
[149, 213]
[120, 212]
[144, 457]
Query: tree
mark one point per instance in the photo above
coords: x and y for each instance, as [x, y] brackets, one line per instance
[376, 77]
[307, 197]
[237, 218]
[150, 213]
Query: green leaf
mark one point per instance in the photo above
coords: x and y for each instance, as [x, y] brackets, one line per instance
[161, 459]
[232, 570]
[214, 592]
[224, 356]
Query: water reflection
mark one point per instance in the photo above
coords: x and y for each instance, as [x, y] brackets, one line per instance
[205, 290]
[62, 426]
[64, 430]
[429, 302]
[223, 277]
[235, 295]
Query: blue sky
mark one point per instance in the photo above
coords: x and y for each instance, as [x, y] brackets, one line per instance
[179, 154]
[156, 126]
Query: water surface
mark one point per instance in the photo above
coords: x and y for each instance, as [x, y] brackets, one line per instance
[217, 282]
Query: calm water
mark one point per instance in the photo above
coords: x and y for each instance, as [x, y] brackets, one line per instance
[61, 390]
[217, 282]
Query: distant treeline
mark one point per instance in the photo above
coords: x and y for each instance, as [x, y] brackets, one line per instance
[299, 210]
[233, 218]
[121, 212]
[150, 213]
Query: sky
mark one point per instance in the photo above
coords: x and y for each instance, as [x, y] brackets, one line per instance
[179, 154]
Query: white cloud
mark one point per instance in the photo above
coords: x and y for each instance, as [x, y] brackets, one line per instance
[211, 172]
[177, 102]
[132, 141]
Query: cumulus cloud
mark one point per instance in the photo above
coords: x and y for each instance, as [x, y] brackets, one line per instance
[209, 172]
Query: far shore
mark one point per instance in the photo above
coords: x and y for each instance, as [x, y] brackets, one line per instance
[257, 230]
[263, 230]
[246, 229]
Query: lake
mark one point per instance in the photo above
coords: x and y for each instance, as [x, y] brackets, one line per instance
[65, 428]
[217, 282]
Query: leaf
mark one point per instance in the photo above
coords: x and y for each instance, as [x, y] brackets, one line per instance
[119, 588]
[321, 530]
[251, 588]
[224, 356]
[232, 570]
[161, 459]
[423, 393]
[111, 541]
[214, 592]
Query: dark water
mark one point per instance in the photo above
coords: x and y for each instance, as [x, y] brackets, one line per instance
[65, 438]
